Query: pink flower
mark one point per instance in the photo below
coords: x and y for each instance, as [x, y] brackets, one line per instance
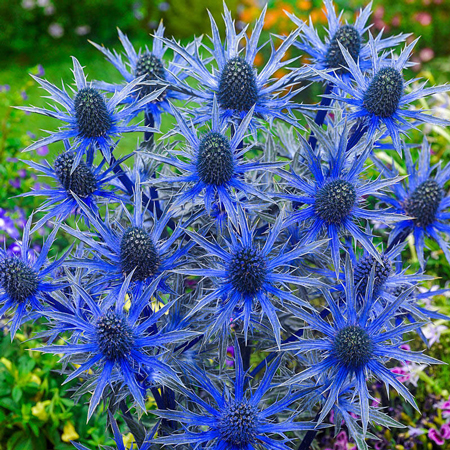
[436, 436]
[445, 431]
[423, 18]
[405, 376]
[426, 54]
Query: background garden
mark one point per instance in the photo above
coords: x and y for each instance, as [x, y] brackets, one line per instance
[39, 36]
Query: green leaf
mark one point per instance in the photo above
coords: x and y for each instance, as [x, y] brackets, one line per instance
[16, 394]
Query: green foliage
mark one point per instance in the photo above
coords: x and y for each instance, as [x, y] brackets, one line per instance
[36, 412]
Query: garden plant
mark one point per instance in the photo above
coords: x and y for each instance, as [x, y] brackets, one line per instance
[237, 280]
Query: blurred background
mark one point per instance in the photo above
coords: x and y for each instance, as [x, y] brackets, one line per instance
[39, 36]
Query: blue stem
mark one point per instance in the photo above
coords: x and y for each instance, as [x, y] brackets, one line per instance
[321, 114]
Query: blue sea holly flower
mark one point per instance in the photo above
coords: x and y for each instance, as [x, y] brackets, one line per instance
[85, 181]
[92, 120]
[327, 55]
[356, 344]
[116, 344]
[249, 275]
[380, 97]
[148, 65]
[119, 250]
[233, 79]
[213, 165]
[421, 196]
[335, 196]
[237, 418]
[25, 279]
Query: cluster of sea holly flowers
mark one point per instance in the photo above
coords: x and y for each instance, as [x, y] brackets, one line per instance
[231, 231]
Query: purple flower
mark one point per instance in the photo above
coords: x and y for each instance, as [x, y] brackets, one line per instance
[42, 151]
[4, 87]
[230, 354]
[435, 436]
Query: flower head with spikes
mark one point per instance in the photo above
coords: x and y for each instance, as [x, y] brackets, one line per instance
[250, 274]
[87, 182]
[421, 196]
[380, 97]
[335, 195]
[145, 251]
[149, 66]
[92, 121]
[327, 55]
[237, 420]
[356, 344]
[119, 346]
[213, 166]
[235, 82]
[25, 279]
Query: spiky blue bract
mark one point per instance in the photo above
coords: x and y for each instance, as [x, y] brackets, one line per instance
[326, 54]
[335, 194]
[250, 273]
[421, 196]
[25, 279]
[118, 345]
[86, 181]
[380, 97]
[92, 120]
[231, 77]
[149, 66]
[356, 344]
[213, 166]
[137, 245]
[238, 418]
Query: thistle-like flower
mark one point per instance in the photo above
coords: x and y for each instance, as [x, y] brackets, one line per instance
[335, 196]
[380, 98]
[235, 82]
[213, 166]
[92, 120]
[327, 55]
[25, 279]
[356, 344]
[149, 66]
[85, 181]
[249, 275]
[120, 346]
[238, 420]
[137, 249]
[421, 196]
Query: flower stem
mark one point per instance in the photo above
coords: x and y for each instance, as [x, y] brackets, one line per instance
[309, 437]
[321, 114]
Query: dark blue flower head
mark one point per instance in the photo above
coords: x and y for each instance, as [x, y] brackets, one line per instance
[149, 66]
[25, 279]
[92, 120]
[327, 55]
[380, 97]
[356, 344]
[249, 273]
[86, 182]
[236, 420]
[335, 195]
[235, 82]
[119, 345]
[213, 166]
[421, 196]
[136, 248]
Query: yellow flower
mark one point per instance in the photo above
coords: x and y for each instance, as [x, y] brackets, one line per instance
[128, 439]
[69, 433]
[39, 410]
[7, 363]
[35, 379]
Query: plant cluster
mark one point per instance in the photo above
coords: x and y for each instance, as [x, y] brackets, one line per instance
[254, 224]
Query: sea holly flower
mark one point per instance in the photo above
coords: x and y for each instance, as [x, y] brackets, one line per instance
[119, 250]
[421, 196]
[25, 279]
[237, 418]
[148, 65]
[92, 121]
[380, 97]
[327, 55]
[85, 181]
[213, 166]
[335, 196]
[249, 275]
[356, 344]
[235, 82]
[118, 345]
